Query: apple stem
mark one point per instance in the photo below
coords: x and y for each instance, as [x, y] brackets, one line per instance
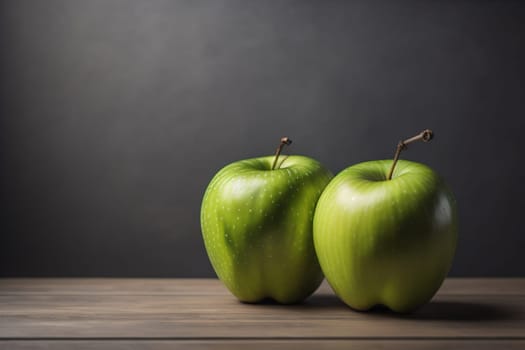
[425, 136]
[284, 141]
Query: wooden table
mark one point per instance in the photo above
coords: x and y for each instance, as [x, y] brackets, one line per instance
[201, 314]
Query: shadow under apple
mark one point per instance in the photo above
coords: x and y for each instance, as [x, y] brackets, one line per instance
[436, 310]
[451, 310]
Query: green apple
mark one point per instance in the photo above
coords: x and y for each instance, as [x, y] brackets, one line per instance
[257, 227]
[384, 241]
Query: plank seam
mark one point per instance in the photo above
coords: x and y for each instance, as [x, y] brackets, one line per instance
[446, 338]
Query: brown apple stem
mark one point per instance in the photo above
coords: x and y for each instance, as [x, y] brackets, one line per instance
[284, 141]
[425, 136]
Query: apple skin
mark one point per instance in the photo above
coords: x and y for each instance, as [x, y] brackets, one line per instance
[257, 227]
[382, 242]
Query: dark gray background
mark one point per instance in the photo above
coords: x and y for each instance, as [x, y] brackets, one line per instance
[116, 114]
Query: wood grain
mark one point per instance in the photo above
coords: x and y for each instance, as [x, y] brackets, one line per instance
[266, 345]
[195, 286]
[201, 314]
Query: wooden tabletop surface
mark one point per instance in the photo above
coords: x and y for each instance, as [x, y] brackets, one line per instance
[201, 314]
